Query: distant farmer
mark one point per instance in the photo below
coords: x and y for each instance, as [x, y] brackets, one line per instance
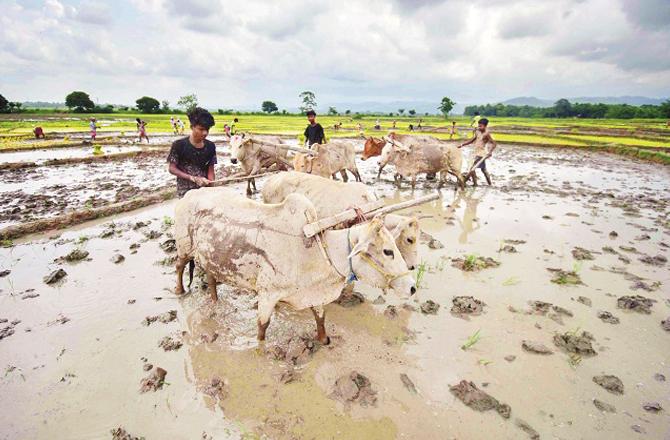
[481, 138]
[475, 120]
[142, 129]
[39, 133]
[180, 126]
[314, 133]
[173, 124]
[394, 122]
[226, 129]
[377, 125]
[192, 158]
[94, 128]
[453, 129]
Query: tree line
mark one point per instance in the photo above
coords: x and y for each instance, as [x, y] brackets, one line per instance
[565, 109]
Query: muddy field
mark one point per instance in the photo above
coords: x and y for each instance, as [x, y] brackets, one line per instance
[543, 312]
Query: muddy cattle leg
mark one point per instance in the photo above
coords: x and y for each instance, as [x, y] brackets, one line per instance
[249, 193]
[265, 309]
[181, 264]
[474, 178]
[356, 174]
[413, 181]
[211, 287]
[320, 317]
[343, 173]
[379, 173]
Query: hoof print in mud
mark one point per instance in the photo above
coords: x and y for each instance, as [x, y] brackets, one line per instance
[536, 347]
[354, 388]
[170, 343]
[604, 407]
[166, 317]
[611, 383]
[154, 381]
[216, 388]
[296, 351]
[468, 393]
[579, 253]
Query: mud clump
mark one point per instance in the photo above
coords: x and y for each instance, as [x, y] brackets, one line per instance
[380, 300]
[665, 324]
[354, 388]
[474, 263]
[169, 246]
[658, 260]
[525, 427]
[55, 276]
[604, 407]
[215, 388]
[430, 307]
[121, 434]
[352, 299]
[652, 407]
[611, 383]
[636, 303]
[467, 305]
[391, 312]
[74, 255]
[582, 254]
[607, 317]
[154, 381]
[509, 249]
[514, 242]
[584, 300]
[536, 347]
[166, 317]
[170, 343]
[565, 277]
[468, 393]
[298, 350]
[574, 343]
[118, 258]
[435, 244]
[4, 273]
[6, 331]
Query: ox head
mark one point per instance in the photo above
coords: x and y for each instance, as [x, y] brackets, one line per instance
[377, 260]
[373, 147]
[237, 147]
[406, 234]
[302, 163]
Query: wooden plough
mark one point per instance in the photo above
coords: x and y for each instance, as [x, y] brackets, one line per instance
[371, 208]
[227, 180]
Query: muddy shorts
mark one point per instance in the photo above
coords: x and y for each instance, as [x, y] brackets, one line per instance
[481, 166]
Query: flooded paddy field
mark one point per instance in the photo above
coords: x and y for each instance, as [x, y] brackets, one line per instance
[546, 293]
[44, 154]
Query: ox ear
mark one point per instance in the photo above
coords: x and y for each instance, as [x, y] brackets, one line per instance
[361, 246]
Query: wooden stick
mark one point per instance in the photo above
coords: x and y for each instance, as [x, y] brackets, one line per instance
[286, 147]
[311, 229]
[396, 143]
[475, 165]
[406, 204]
[372, 208]
[228, 180]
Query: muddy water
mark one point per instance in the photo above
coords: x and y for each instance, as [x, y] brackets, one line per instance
[553, 200]
[60, 153]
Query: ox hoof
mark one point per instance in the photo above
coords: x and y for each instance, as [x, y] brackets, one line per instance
[179, 291]
[324, 341]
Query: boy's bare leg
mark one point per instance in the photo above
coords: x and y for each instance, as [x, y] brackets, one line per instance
[487, 176]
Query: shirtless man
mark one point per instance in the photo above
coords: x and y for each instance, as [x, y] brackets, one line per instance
[481, 138]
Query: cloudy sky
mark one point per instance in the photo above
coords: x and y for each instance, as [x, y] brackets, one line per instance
[239, 53]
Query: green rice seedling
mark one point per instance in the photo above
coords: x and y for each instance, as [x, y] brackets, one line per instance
[511, 281]
[470, 262]
[472, 340]
[485, 362]
[420, 273]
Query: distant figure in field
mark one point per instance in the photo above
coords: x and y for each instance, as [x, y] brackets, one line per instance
[179, 126]
[314, 133]
[411, 127]
[226, 129]
[39, 133]
[377, 125]
[233, 131]
[173, 123]
[94, 128]
[142, 129]
[475, 120]
[419, 124]
[394, 122]
[481, 138]
[453, 130]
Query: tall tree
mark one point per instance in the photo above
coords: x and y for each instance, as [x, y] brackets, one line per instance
[308, 101]
[401, 111]
[412, 112]
[188, 102]
[147, 104]
[79, 101]
[446, 105]
[563, 108]
[3, 104]
[165, 106]
[665, 109]
[332, 111]
[269, 107]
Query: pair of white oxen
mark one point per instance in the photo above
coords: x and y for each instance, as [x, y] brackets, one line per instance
[261, 247]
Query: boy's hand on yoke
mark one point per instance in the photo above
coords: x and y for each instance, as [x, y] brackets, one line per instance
[200, 181]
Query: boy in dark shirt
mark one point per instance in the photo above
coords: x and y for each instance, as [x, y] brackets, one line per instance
[314, 132]
[192, 158]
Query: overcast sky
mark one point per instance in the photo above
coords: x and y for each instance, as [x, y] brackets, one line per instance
[239, 53]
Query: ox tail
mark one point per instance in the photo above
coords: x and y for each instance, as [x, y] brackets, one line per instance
[191, 268]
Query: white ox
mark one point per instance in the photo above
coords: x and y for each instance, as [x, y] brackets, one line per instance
[261, 248]
[331, 158]
[331, 197]
[422, 157]
[253, 156]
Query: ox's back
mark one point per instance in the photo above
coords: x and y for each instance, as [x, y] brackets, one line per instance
[330, 197]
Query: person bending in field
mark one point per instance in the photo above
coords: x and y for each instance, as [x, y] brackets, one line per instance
[314, 133]
[192, 158]
[39, 133]
[142, 129]
[482, 137]
[453, 130]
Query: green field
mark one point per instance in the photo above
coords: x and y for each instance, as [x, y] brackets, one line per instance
[645, 133]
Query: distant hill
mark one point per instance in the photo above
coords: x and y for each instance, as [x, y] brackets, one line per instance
[541, 102]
